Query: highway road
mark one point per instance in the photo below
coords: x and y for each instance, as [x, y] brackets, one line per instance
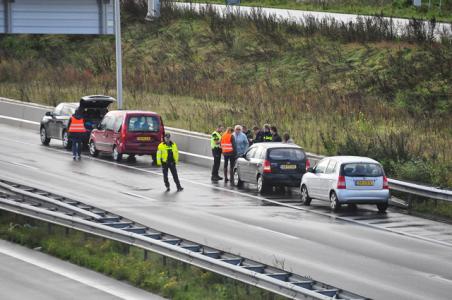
[29, 274]
[374, 263]
[297, 16]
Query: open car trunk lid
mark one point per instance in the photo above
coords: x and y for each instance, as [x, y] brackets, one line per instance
[96, 101]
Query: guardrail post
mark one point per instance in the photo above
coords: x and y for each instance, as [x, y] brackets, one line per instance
[66, 231]
[164, 260]
[410, 202]
[145, 257]
[49, 228]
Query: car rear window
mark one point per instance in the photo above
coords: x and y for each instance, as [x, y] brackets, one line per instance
[283, 154]
[362, 170]
[143, 124]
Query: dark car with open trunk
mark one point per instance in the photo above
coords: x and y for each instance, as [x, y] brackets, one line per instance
[54, 124]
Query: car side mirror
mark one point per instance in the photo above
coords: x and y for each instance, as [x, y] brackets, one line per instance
[311, 170]
[49, 114]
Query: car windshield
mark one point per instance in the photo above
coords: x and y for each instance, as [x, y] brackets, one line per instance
[362, 170]
[286, 154]
[143, 124]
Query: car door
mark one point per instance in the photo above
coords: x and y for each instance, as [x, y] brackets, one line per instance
[100, 135]
[327, 179]
[62, 120]
[256, 162]
[109, 134]
[315, 182]
[52, 124]
[244, 166]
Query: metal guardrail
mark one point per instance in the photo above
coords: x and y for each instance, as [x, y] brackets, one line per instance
[53, 208]
[397, 185]
[195, 137]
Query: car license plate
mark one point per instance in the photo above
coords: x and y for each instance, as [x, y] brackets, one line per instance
[288, 167]
[143, 138]
[364, 183]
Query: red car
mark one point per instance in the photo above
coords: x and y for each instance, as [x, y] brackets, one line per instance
[127, 132]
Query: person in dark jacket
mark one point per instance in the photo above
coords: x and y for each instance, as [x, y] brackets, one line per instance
[264, 135]
[249, 134]
[76, 132]
[275, 136]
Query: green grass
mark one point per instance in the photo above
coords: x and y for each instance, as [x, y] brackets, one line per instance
[335, 89]
[167, 277]
[390, 8]
[435, 208]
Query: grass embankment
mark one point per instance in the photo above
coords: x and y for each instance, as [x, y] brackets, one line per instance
[336, 88]
[439, 9]
[166, 277]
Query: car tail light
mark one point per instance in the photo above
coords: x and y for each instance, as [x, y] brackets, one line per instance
[341, 183]
[267, 166]
[308, 165]
[385, 183]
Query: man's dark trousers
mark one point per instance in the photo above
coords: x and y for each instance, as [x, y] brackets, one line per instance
[172, 167]
[216, 153]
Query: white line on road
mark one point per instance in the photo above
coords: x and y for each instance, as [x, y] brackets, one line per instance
[19, 120]
[105, 286]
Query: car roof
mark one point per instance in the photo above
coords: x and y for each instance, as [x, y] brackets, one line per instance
[353, 159]
[72, 104]
[132, 112]
[271, 145]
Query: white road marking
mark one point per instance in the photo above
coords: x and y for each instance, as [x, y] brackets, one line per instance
[137, 196]
[106, 287]
[20, 120]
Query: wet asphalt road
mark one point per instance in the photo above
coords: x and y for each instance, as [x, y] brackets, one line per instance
[29, 274]
[367, 261]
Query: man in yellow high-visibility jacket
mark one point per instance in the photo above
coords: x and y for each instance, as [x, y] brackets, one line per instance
[168, 157]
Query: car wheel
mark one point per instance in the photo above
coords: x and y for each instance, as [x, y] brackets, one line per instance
[92, 149]
[334, 202]
[67, 144]
[116, 155]
[261, 185]
[44, 139]
[131, 158]
[236, 179]
[382, 207]
[305, 199]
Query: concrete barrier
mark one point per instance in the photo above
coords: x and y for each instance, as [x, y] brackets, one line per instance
[194, 147]
[22, 114]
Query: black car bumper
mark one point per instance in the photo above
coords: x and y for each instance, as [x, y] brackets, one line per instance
[292, 180]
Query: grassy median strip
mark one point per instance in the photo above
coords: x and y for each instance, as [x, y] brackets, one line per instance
[157, 274]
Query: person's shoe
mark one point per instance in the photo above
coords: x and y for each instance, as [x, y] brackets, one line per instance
[167, 188]
[180, 189]
[79, 157]
[219, 177]
[74, 158]
[226, 179]
[214, 178]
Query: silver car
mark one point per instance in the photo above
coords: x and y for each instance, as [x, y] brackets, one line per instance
[346, 180]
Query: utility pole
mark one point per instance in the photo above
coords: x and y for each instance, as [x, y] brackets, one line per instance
[118, 54]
